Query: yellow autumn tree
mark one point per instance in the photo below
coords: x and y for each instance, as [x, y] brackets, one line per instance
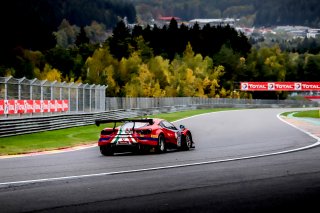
[129, 67]
[48, 73]
[161, 70]
[113, 87]
[97, 65]
[143, 84]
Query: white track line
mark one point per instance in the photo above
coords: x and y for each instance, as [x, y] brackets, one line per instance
[4, 184]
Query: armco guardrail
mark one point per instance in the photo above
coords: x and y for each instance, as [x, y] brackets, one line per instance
[10, 127]
[114, 103]
[19, 126]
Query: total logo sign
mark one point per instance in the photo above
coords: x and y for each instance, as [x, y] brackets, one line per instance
[244, 86]
[255, 86]
[297, 86]
[280, 86]
[271, 86]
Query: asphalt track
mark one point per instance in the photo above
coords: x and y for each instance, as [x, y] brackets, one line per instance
[244, 161]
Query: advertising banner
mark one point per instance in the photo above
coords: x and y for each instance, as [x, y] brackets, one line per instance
[9, 107]
[29, 106]
[52, 106]
[280, 86]
[45, 106]
[37, 106]
[65, 105]
[254, 86]
[32, 106]
[1, 107]
[20, 106]
[59, 105]
[310, 86]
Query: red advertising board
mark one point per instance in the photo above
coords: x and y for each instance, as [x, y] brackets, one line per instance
[36, 106]
[45, 106]
[32, 106]
[29, 106]
[254, 86]
[1, 107]
[280, 86]
[310, 86]
[59, 105]
[52, 106]
[9, 107]
[20, 106]
[65, 105]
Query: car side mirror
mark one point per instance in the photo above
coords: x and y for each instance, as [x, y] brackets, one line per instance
[182, 126]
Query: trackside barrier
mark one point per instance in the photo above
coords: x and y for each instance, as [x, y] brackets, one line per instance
[113, 103]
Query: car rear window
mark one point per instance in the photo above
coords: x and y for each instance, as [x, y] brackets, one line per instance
[129, 125]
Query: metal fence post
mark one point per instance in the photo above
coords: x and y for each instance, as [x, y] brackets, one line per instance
[90, 97]
[77, 97]
[69, 95]
[42, 84]
[31, 87]
[103, 97]
[6, 87]
[52, 90]
[19, 87]
[61, 86]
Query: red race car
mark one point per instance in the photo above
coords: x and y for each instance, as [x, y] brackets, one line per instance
[140, 135]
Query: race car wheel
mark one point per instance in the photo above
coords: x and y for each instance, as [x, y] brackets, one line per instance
[106, 151]
[161, 144]
[187, 142]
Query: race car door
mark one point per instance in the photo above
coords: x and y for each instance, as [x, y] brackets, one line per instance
[170, 131]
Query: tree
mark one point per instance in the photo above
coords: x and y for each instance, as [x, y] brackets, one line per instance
[119, 43]
[113, 87]
[100, 66]
[96, 32]
[160, 67]
[61, 59]
[82, 38]
[312, 68]
[66, 35]
[143, 49]
[49, 74]
[144, 84]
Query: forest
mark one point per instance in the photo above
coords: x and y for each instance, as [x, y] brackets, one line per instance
[30, 23]
[144, 61]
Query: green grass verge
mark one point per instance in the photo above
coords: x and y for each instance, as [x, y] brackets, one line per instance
[304, 114]
[57, 139]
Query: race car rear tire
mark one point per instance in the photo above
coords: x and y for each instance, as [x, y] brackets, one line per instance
[161, 147]
[187, 142]
[106, 151]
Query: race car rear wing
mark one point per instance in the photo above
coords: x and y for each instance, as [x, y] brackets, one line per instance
[148, 120]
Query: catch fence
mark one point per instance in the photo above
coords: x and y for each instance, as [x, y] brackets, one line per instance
[78, 97]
